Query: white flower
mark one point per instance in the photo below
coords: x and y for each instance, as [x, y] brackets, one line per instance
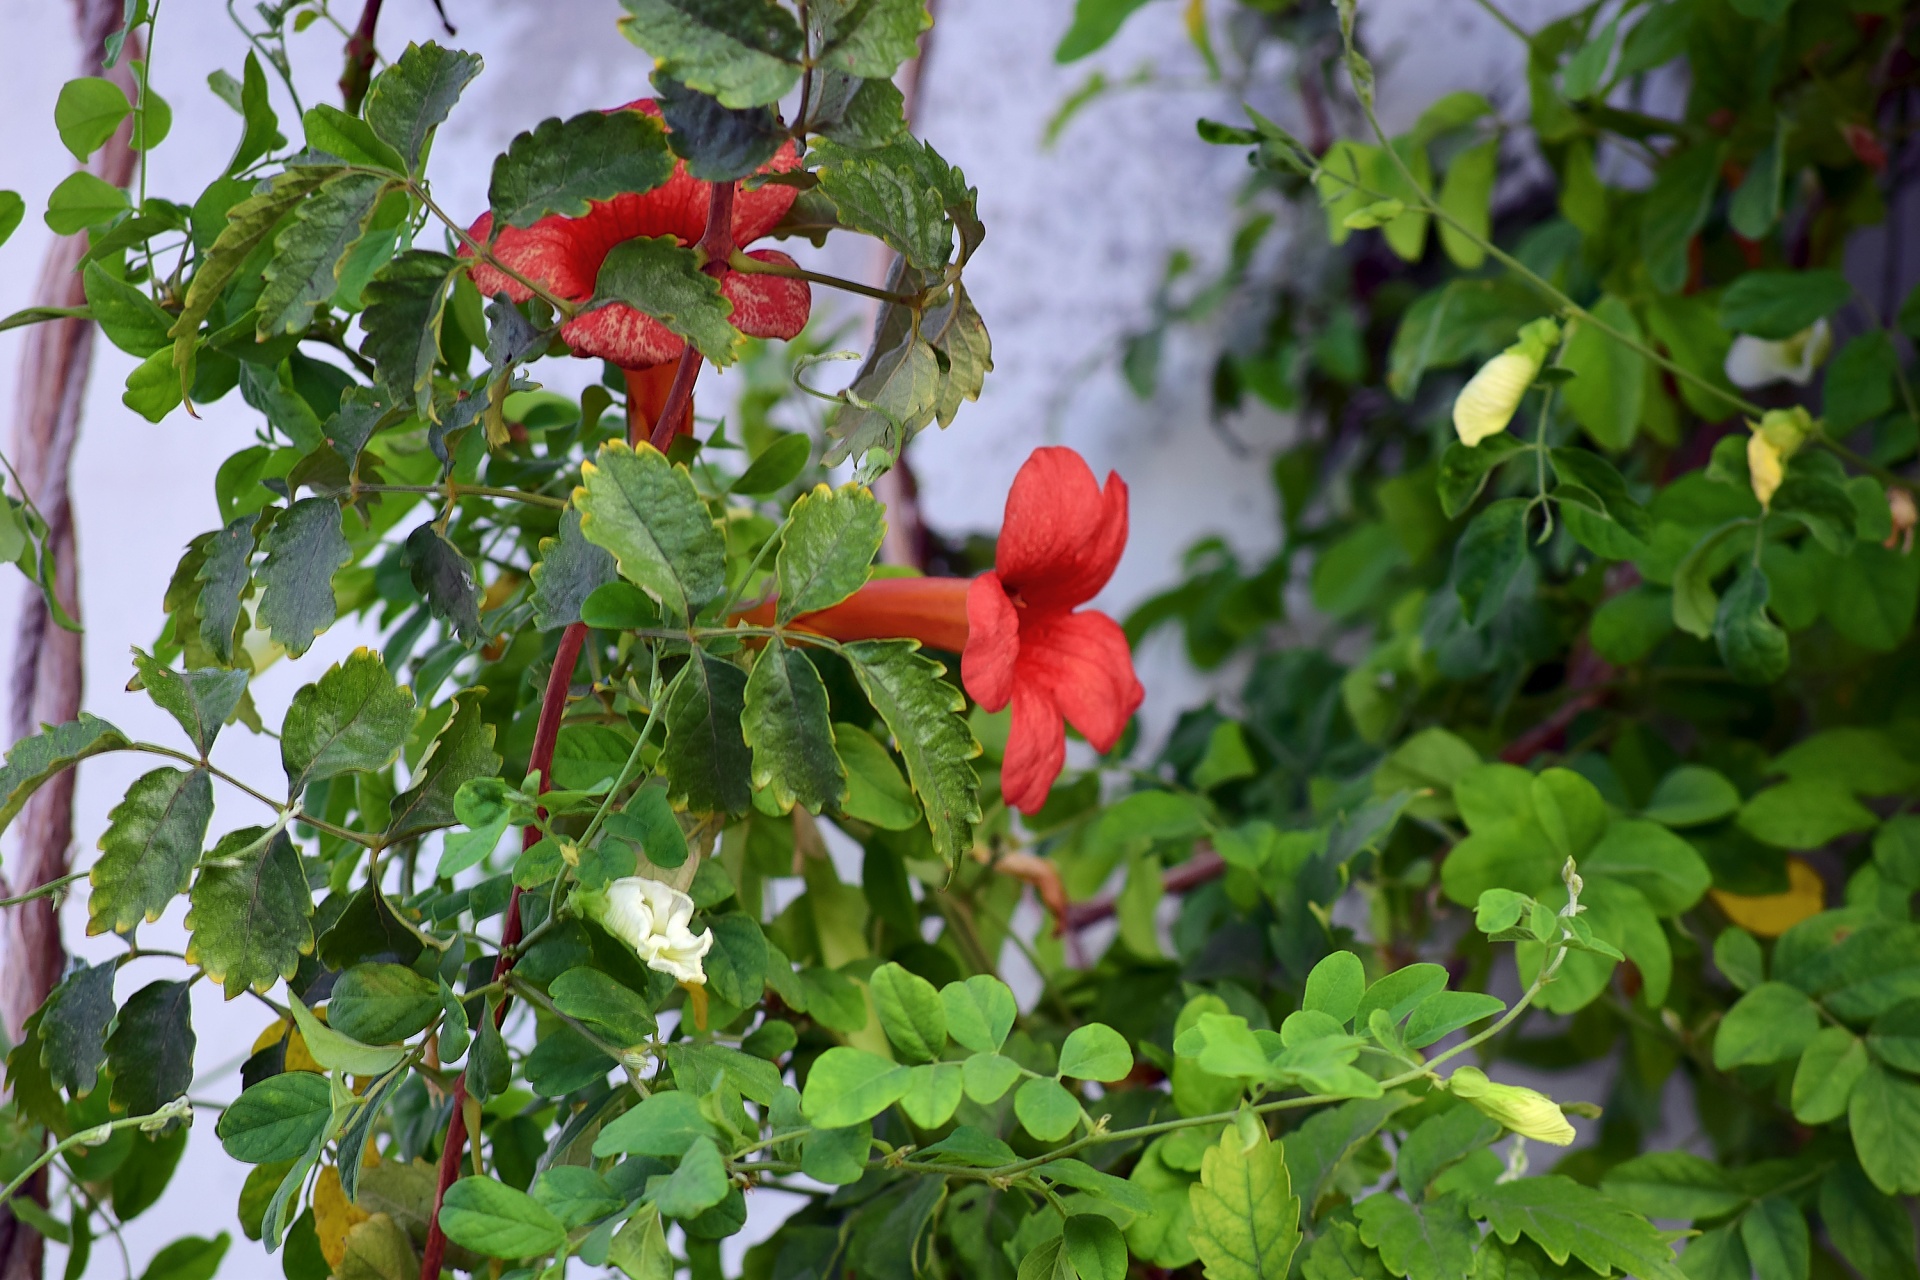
[1757, 362]
[1491, 397]
[652, 918]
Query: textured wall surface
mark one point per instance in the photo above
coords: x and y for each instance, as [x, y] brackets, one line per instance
[1077, 239]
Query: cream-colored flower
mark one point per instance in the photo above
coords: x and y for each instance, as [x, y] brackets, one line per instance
[1527, 1112]
[1492, 396]
[1758, 362]
[652, 918]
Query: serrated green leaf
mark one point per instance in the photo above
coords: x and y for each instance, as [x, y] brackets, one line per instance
[445, 577]
[150, 1049]
[406, 304]
[305, 547]
[958, 334]
[1246, 1220]
[463, 750]
[718, 143]
[922, 711]
[645, 510]
[655, 275]
[1672, 1184]
[785, 725]
[1569, 1220]
[309, 253]
[248, 925]
[561, 165]
[152, 840]
[201, 701]
[895, 393]
[226, 574]
[73, 1028]
[706, 757]
[569, 570]
[411, 98]
[276, 1119]
[828, 547]
[354, 718]
[884, 34]
[31, 761]
[494, 1219]
[744, 52]
[898, 194]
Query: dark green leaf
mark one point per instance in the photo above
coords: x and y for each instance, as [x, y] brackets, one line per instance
[150, 1049]
[382, 1003]
[831, 538]
[276, 1119]
[152, 840]
[1594, 473]
[411, 98]
[1570, 1220]
[1676, 208]
[305, 546]
[736, 967]
[561, 165]
[785, 724]
[1094, 23]
[706, 757]
[718, 143]
[922, 711]
[657, 276]
[311, 251]
[226, 573]
[202, 701]
[569, 570]
[73, 1028]
[617, 1013]
[744, 52]
[130, 319]
[332, 132]
[406, 305]
[1464, 470]
[1860, 382]
[698, 1184]
[1871, 1230]
[1488, 556]
[462, 751]
[1779, 304]
[261, 133]
[1751, 644]
[1607, 395]
[31, 761]
[248, 922]
[492, 1218]
[1433, 1239]
[647, 513]
[354, 718]
[899, 194]
[445, 577]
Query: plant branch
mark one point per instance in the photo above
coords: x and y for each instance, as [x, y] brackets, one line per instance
[755, 267]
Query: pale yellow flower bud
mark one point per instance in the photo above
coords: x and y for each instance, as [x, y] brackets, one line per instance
[1524, 1111]
[1776, 437]
[1765, 467]
[1492, 396]
[1905, 515]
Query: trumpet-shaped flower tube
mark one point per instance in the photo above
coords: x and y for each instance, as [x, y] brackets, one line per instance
[1022, 637]
[1524, 1111]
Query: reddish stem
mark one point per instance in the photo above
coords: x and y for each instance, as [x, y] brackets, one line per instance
[679, 399]
[716, 242]
[553, 705]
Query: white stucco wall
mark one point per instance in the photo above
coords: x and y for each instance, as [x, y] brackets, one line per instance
[1077, 239]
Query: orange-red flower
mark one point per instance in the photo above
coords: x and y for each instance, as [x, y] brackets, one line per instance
[1019, 630]
[564, 256]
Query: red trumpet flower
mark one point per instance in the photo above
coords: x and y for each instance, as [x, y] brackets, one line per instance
[1021, 636]
[564, 256]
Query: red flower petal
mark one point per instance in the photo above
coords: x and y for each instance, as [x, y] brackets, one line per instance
[1062, 535]
[1036, 749]
[1082, 662]
[758, 211]
[993, 643]
[768, 306]
[628, 338]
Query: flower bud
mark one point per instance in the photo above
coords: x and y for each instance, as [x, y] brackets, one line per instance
[1758, 362]
[652, 918]
[1765, 468]
[1524, 1111]
[1776, 437]
[1905, 515]
[1492, 396]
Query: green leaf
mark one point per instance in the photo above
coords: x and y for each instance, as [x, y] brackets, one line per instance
[1770, 1023]
[406, 305]
[87, 113]
[1594, 473]
[1438, 1142]
[276, 1119]
[1464, 470]
[444, 576]
[663, 1125]
[1094, 23]
[923, 712]
[882, 35]
[411, 98]
[777, 466]
[73, 1028]
[1695, 603]
[561, 165]
[129, 318]
[1095, 1051]
[1335, 985]
[333, 132]
[463, 750]
[1430, 1242]
[1246, 1221]
[895, 393]
[1045, 1109]
[201, 701]
[1672, 1184]
[305, 546]
[13, 209]
[1569, 1220]
[188, 1258]
[1338, 1253]
[911, 1012]
[248, 924]
[1804, 815]
[575, 1194]
[261, 133]
[980, 1012]
[569, 570]
[1675, 210]
[1662, 866]
[1860, 382]
[1779, 304]
[1872, 1231]
[737, 965]
[1488, 557]
[493, 1219]
[657, 276]
[617, 1013]
[31, 761]
[1607, 394]
[82, 201]
[744, 52]
[876, 792]
[152, 840]
[831, 538]
[1870, 596]
[1690, 796]
[382, 1003]
[648, 821]
[698, 1184]
[706, 757]
[338, 1052]
[957, 333]
[1401, 991]
[900, 194]
[1751, 644]
[150, 1049]
[647, 513]
[1445, 1012]
[847, 1086]
[1466, 194]
[353, 719]
[311, 250]
[785, 725]
[719, 144]
[1884, 1114]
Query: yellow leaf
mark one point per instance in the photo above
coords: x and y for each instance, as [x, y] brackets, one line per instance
[334, 1216]
[1769, 915]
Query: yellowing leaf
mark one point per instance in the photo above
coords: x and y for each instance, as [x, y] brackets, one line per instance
[334, 1216]
[1768, 915]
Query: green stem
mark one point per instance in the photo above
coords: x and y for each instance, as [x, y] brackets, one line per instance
[484, 252]
[455, 491]
[755, 267]
[51, 886]
[1498, 15]
[93, 1137]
